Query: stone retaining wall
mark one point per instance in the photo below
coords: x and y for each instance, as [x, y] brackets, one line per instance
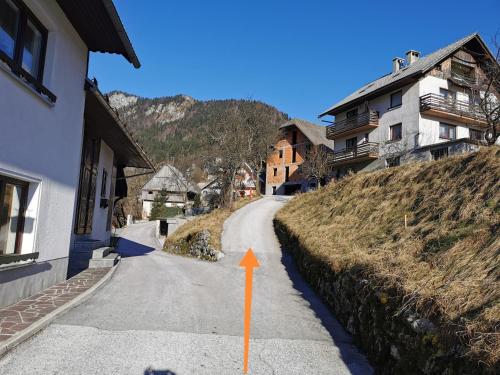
[396, 341]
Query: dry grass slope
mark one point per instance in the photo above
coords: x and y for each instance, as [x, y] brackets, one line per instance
[446, 262]
[213, 222]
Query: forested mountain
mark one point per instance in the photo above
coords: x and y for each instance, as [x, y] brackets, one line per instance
[175, 128]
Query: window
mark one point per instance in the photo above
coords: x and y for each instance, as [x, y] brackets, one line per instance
[393, 162]
[396, 99]
[275, 172]
[463, 72]
[476, 135]
[351, 143]
[13, 197]
[274, 190]
[294, 137]
[396, 132]
[447, 94]
[294, 155]
[23, 41]
[104, 183]
[447, 131]
[439, 153]
[281, 154]
[287, 174]
[352, 113]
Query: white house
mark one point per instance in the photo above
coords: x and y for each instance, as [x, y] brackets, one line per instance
[424, 109]
[50, 118]
[170, 181]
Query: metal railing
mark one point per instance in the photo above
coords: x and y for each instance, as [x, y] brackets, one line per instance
[365, 118]
[363, 150]
[444, 104]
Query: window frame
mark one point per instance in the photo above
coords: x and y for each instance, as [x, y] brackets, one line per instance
[22, 211]
[440, 153]
[294, 154]
[448, 127]
[391, 138]
[353, 147]
[16, 62]
[275, 172]
[280, 153]
[393, 162]
[391, 105]
[476, 131]
[351, 114]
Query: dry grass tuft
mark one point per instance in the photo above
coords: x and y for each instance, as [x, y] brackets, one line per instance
[213, 222]
[446, 262]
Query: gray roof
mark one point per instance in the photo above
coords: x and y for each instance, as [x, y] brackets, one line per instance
[419, 67]
[315, 133]
[168, 178]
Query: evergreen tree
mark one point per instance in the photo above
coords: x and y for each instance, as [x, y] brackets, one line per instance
[159, 209]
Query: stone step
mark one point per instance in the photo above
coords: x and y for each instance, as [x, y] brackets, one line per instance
[101, 252]
[108, 261]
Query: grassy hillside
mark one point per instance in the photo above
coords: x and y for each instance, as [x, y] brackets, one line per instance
[446, 263]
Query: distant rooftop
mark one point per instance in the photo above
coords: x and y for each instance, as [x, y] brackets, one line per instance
[315, 133]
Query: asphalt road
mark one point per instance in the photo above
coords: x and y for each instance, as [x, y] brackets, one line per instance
[165, 314]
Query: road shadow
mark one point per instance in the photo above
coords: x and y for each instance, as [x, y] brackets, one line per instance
[351, 356]
[150, 371]
[127, 248]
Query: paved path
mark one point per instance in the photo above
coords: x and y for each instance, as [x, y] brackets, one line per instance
[176, 315]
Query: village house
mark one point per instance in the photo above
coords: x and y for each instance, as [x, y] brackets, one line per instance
[170, 182]
[61, 145]
[283, 172]
[426, 108]
[245, 181]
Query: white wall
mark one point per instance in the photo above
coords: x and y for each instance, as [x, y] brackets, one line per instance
[407, 114]
[100, 218]
[429, 126]
[41, 143]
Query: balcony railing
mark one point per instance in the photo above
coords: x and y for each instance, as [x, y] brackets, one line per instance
[367, 119]
[441, 106]
[365, 151]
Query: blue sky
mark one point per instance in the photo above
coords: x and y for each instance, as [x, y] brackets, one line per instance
[299, 56]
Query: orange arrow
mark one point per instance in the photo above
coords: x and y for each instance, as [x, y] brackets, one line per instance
[250, 262]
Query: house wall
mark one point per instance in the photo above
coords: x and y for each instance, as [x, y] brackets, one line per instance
[41, 144]
[274, 161]
[428, 125]
[100, 218]
[407, 114]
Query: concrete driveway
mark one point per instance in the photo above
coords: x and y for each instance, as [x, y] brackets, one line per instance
[164, 314]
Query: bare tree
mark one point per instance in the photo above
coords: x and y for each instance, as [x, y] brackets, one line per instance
[392, 150]
[260, 134]
[242, 135]
[316, 165]
[485, 90]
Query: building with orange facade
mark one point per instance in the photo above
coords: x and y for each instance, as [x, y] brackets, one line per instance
[283, 172]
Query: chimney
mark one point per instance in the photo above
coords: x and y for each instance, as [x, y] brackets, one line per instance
[397, 63]
[412, 56]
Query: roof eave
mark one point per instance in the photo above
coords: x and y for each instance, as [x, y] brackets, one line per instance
[122, 33]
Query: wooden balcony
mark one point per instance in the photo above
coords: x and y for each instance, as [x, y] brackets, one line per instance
[364, 152]
[362, 122]
[449, 109]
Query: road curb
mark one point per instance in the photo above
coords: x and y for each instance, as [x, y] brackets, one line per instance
[39, 325]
